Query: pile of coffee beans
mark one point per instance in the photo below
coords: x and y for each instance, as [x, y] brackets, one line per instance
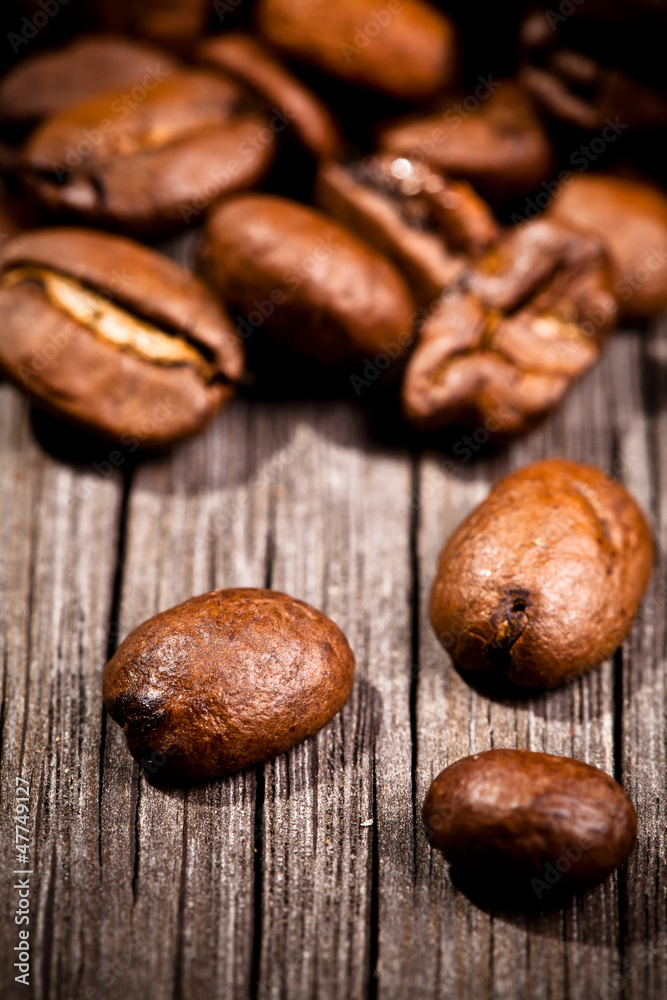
[373, 187]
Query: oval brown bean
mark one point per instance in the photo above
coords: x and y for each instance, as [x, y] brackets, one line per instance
[226, 680]
[515, 815]
[305, 280]
[543, 579]
[407, 51]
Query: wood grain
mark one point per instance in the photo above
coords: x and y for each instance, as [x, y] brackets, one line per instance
[309, 877]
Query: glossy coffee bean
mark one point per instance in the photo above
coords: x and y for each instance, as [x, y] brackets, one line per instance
[427, 224]
[297, 276]
[530, 821]
[152, 162]
[403, 50]
[113, 337]
[542, 580]
[226, 680]
[496, 141]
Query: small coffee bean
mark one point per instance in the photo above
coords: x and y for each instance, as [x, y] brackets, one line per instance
[530, 820]
[226, 680]
[305, 280]
[542, 580]
[114, 337]
[153, 159]
[630, 217]
[403, 50]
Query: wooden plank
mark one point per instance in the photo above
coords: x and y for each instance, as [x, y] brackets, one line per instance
[460, 950]
[641, 422]
[341, 541]
[178, 866]
[58, 532]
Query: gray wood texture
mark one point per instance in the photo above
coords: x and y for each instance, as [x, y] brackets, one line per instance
[310, 876]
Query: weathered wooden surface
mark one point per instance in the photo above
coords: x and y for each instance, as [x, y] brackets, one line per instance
[309, 877]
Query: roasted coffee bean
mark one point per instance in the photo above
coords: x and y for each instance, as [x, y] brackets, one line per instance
[427, 224]
[227, 680]
[631, 218]
[113, 337]
[306, 281]
[150, 165]
[48, 82]
[495, 141]
[403, 50]
[543, 579]
[583, 71]
[501, 350]
[173, 23]
[253, 65]
[530, 821]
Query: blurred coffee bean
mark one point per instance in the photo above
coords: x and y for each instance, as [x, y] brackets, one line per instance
[406, 51]
[630, 217]
[583, 69]
[152, 161]
[176, 24]
[253, 64]
[48, 82]
[492, 137]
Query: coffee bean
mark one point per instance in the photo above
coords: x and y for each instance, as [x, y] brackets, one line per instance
[403, 50]
[495, 140]
[529, 821]
[252, 64]
[49, 82]
[501, 348]
[226, 680]
[427, 224]
[630, 217]
[305, 280]
[113, 337]
[153, 160]
[542, 580]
